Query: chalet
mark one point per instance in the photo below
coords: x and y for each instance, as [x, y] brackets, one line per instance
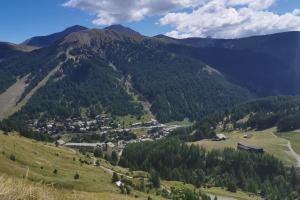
[249, 148]
[136, 124]
[119, 183]
[59, 142]
[152, 122]
[220, 137]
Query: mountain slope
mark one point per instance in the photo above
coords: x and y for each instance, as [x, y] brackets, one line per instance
[179, 78]
[122, 29]
[176, 86]
[8, 50]
[266, 65]
[103, 60]
[281, 112]
[34, 163]
[43, 41]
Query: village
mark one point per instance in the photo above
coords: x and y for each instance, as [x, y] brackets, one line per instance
[100, 133]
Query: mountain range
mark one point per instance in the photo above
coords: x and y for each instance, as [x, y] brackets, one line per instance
[117, 70]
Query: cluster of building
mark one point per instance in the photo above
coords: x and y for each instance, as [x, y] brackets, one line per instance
[76, 124]
[154, 133]
[90, 147]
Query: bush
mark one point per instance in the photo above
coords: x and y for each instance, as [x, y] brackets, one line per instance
[98, 153]
[98, 163]
[12, 157]
[154, 179]
[76, 176]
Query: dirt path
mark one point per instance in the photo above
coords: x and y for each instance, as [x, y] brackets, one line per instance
[296, 156]
[110, 170]
[291, 150]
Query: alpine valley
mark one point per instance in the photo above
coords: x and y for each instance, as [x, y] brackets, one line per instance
[194, 118]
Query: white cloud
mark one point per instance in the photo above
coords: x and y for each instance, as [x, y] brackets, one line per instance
[296, 12]
[196, 18]
[114, 11]
[254, 4]
[230, 19]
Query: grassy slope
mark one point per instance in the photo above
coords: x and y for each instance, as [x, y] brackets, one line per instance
[32, 155]
[14, 188]
[266, 139]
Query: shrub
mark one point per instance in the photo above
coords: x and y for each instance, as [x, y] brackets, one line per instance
[115, 177]
[76, 176]
[12, 157]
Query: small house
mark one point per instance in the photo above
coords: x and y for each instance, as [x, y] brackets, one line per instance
[119, 183]
[59, 142]
[220, 137]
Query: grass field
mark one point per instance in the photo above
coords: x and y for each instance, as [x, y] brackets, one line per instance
[35, 162]
[221, 194]
[266, 139]
[186, 122]
[128, 120]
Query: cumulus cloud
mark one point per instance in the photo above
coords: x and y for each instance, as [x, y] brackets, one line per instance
[114, 11]
[196, 18]
[230, 19]
[254, 4]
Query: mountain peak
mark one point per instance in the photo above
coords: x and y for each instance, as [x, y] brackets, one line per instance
[75, 28]
[122, 29]
[43, 41]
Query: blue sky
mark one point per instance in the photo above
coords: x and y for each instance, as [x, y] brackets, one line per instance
[22, 19]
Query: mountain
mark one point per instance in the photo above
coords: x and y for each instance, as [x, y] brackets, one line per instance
[122, 29]
[8, 49]
[115, 72]
[265, 65]
[118, 71]
[43, 41]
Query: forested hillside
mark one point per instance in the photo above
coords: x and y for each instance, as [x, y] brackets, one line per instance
[280, 111]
